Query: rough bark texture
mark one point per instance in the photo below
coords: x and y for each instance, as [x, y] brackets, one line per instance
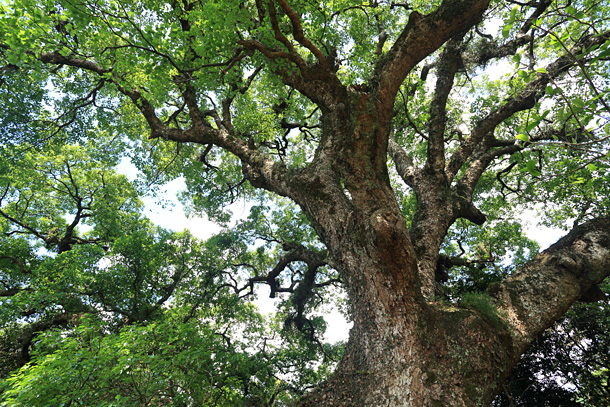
[543, 290]
[405, 353]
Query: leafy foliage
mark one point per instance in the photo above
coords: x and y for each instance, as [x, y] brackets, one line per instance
[137, 314]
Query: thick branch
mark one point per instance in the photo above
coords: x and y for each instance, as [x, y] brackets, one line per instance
[189, 94]
[297, 32]
[489, 50]
[447, 68]
[30, 332]
[480, 161]
[402, 161]
[56, 58]
[543, 290]
[541, 8]
[314, 260]
[422, 36]
[317, 82]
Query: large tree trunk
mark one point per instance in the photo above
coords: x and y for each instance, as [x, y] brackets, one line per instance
[439, 357]
[403, 351]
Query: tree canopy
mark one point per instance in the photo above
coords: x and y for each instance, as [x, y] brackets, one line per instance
[386, 150]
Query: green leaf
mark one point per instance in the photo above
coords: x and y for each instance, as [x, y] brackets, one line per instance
[532, 124]
[522, 137]
[578, 102]
[532, 168]
[506, 30]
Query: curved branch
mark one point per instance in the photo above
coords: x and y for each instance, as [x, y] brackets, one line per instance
[383, 36]
[486, 51]
[540, 9]
[478, 164]
[402, 161]
[297, 32]
[321, 86]
[422, 36]
[296, 252]
[29, 333]
[542, 291]
[270, 53]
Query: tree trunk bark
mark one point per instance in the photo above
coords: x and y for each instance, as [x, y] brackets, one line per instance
[437, 357]
[403, 351]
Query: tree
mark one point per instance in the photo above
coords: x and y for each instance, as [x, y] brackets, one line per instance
[300, 105]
